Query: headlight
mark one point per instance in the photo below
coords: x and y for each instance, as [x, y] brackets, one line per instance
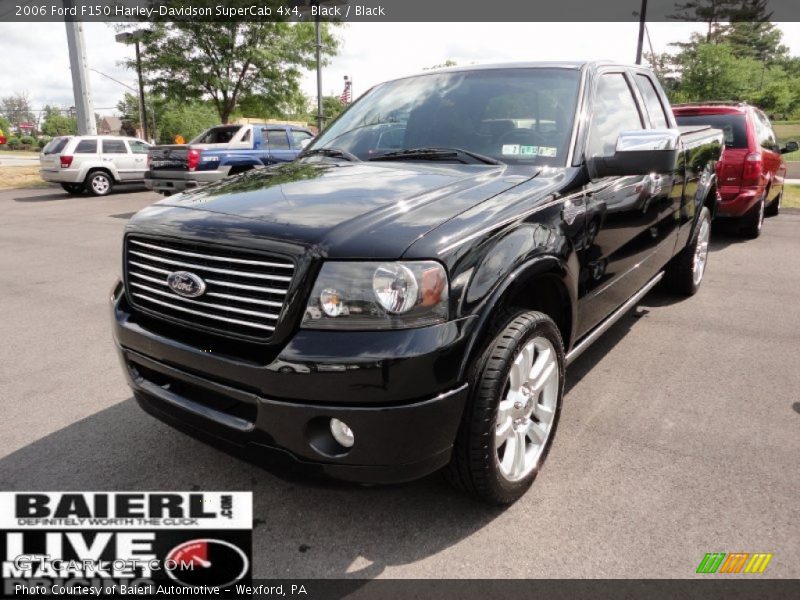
[378, 295]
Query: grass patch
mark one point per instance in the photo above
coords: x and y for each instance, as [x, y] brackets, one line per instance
[791, 196]
[20, 177]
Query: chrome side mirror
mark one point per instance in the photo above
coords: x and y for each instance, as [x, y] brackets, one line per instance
[639, 152]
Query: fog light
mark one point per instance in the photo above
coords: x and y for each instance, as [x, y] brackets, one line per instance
[342, 433]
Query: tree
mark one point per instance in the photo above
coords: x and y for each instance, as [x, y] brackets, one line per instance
[226, 61]
[17, 109]
[128, 109]
[55, 123]
[187, 119]
[712, 12]
[332, 107]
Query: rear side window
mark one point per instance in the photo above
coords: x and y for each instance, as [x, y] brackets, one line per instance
[114, 147]
[138, 147]
[615, 111]
[86, 147]
[733, 126]
[658, 118]
[217, 135]
[277, 139]
[766, 137]
[55, 145]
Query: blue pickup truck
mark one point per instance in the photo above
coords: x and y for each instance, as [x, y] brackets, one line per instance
[222, 151]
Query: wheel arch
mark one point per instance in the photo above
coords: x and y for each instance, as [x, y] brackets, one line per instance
[542, 284]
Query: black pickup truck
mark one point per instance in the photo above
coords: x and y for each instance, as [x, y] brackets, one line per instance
[407, 295]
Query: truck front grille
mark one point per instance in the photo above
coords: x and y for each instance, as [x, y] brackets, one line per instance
[244, 291]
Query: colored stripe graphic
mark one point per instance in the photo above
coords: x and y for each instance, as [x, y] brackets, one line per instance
[758, 563]
[734, 562]
[711, 562]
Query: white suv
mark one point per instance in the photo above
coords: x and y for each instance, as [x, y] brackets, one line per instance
[93, 163]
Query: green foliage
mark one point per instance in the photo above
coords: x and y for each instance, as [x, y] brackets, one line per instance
[5, 126]
[17, 109]
[42, 141]
[27, 140]
[186, 119]
[128, 109]
[225, 62]
[332, 107]
[740, 58]
[13, 143]
[56, 123]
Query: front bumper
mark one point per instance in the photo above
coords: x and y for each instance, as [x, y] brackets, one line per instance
[179, 181]
[737, 202]
[398, 391]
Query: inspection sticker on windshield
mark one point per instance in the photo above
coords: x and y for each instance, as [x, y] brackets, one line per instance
[548, 151]
[514, 149]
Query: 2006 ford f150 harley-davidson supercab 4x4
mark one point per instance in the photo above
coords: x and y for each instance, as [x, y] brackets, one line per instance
[407, 294]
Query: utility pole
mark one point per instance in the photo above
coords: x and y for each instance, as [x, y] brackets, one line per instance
[320, 114]
[80, 76]
[136, 37]
[642, 22]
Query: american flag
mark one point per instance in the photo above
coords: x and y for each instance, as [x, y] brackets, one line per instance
[346, 96]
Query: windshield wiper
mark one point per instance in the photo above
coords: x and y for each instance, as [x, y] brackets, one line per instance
[437, 154]
[333, 153]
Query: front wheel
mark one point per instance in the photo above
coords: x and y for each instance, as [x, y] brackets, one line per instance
[685, 273]
[515, 401]
[99, 183]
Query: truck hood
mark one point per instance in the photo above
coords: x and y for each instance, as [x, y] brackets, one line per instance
[344, 210]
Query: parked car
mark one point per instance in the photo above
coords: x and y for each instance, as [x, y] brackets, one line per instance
[220, 152]
[93, 163]
[752, 170]
[430, 296]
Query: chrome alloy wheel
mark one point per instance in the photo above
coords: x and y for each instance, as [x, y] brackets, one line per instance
[526, 413]
[701, 252]
[100, 184]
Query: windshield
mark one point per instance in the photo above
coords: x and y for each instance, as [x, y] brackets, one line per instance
[512, 115]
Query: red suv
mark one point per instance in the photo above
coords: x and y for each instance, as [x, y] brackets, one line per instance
[751, 171]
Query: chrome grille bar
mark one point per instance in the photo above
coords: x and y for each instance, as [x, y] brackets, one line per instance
[240, 261]
[211, 269]
[204, 314]
[207, 304]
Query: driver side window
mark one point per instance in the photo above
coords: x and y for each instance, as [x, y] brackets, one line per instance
[615, 111]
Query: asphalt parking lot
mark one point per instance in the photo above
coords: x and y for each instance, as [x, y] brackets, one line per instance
[680, 432]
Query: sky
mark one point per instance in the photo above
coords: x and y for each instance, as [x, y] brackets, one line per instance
[34, 58]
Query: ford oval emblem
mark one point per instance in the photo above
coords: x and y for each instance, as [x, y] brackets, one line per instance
[186, 284]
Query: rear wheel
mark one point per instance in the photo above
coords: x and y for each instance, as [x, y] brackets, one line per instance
[74, 189]
[754, 220]
[99, 183]
[775, 206]
[515, 401]
[685, 273]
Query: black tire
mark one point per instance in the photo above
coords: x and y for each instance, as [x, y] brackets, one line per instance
[99, 183]
[74, 189]
[680, 276]
[774, 207]
[475, 464]
[753, 221]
